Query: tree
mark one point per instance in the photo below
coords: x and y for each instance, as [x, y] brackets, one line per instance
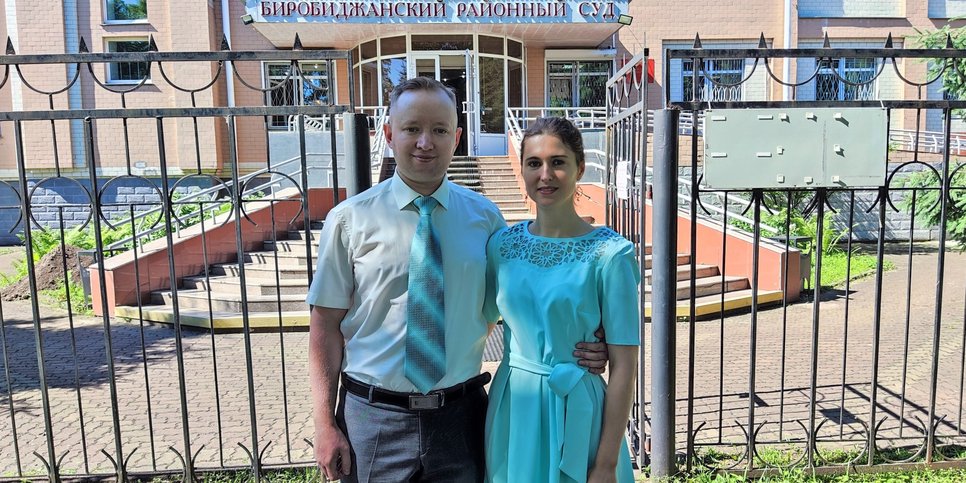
[927, 208]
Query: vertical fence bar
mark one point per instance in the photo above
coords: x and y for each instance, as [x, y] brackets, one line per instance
[663, 293]
[53, 473]
[876, 328]
[944, 192]
[813, 365]
[108, 344]
[238, 196]
[753, 329]
[188, 459]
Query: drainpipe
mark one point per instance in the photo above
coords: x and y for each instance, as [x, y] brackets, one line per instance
[229, 68]
[74, 100]
[787, 43]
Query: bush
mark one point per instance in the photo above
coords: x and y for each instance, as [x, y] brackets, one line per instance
[928, 208]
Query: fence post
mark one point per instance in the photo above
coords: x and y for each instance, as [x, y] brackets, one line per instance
[357, 167]
[663, 295]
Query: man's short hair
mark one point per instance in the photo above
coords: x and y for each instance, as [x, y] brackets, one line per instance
[421, 84]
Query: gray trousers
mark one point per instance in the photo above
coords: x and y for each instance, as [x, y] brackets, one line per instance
[395, 445]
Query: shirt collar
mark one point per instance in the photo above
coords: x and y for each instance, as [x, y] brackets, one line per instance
[404, 195]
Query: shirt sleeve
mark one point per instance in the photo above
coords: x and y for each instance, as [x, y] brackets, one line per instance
[333, 282]
[620, 309]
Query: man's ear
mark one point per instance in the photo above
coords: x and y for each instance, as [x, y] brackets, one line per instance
[387, 132]
[459, 131]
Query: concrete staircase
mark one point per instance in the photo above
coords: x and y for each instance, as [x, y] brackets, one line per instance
[500, 185]
[276, 282]
[276, 277]
[713, 292]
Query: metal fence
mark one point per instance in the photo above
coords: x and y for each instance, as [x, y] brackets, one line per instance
[123, 396]
[865, 373]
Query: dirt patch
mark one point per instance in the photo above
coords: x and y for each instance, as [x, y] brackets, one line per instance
[50, 274]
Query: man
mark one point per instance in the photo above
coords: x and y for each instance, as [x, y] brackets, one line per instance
[398, 420]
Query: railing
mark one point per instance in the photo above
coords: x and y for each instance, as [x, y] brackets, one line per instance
[865, 375]
[927, 141]
[378, 116]
[128, 399]
[208, 206]
[684, 183]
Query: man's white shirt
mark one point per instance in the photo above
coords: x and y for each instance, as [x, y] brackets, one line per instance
[363, 267]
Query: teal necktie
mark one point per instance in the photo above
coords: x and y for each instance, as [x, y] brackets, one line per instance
[425, 339]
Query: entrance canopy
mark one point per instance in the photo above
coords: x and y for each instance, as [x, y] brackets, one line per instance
[344, 24]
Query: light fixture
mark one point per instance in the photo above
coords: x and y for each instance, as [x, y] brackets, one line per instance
[247, 19]
[624, 19]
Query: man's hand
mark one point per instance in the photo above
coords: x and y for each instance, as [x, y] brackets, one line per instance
[593, 355]
[332, 453]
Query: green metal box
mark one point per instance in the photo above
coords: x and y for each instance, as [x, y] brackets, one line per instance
[795, 148]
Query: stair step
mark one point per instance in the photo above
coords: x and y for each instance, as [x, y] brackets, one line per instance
[217, 320]
[714, 304]
[232, 285]
[300, 234]
[495, 197]
[707, 286]
[285, 258]
[683, 259]
[261, 271]
[224, 302]
[488, 176]
[684, 272]
[290, 246]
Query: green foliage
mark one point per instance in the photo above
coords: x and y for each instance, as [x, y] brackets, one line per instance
[834, 266]
[44, 241]
[802, 228]
[296, 475]
[58, 297]
[952, 83]
[928, 208]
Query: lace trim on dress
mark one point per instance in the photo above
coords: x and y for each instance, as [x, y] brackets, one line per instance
[518, 244]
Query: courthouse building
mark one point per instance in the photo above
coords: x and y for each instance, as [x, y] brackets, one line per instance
[498, 55]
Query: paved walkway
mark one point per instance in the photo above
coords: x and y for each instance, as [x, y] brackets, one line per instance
[219, 417]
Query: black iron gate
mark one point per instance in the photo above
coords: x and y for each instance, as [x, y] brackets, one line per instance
[853, 372]
[155, 197]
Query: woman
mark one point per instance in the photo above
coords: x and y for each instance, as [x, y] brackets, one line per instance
[555, 280]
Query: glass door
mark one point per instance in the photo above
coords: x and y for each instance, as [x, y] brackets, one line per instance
[451, 69]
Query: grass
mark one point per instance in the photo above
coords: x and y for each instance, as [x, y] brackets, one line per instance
[299, 475]
[803, 476]
[834, 266]
[795, 475]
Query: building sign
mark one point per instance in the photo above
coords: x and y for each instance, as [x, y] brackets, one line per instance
[433, 11]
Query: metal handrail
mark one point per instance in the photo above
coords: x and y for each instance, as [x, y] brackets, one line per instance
[118, 245]
[378, 147]
[686, 124]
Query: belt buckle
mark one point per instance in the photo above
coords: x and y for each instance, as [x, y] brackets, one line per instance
[426, 401]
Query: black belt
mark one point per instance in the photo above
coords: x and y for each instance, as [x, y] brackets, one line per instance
[414, 400]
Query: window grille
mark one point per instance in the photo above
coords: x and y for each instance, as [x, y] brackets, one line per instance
[723, 71]
[128, 72]
[312, 87]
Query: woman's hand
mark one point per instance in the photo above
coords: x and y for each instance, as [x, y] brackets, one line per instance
[602, 474]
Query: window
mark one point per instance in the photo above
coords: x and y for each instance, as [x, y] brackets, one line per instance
[724, 73]
[123, 11]
[128, 72]
[311, 88]
[857, 72]
[577, 83]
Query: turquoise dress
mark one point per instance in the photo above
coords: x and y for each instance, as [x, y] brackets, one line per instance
[545, 413]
